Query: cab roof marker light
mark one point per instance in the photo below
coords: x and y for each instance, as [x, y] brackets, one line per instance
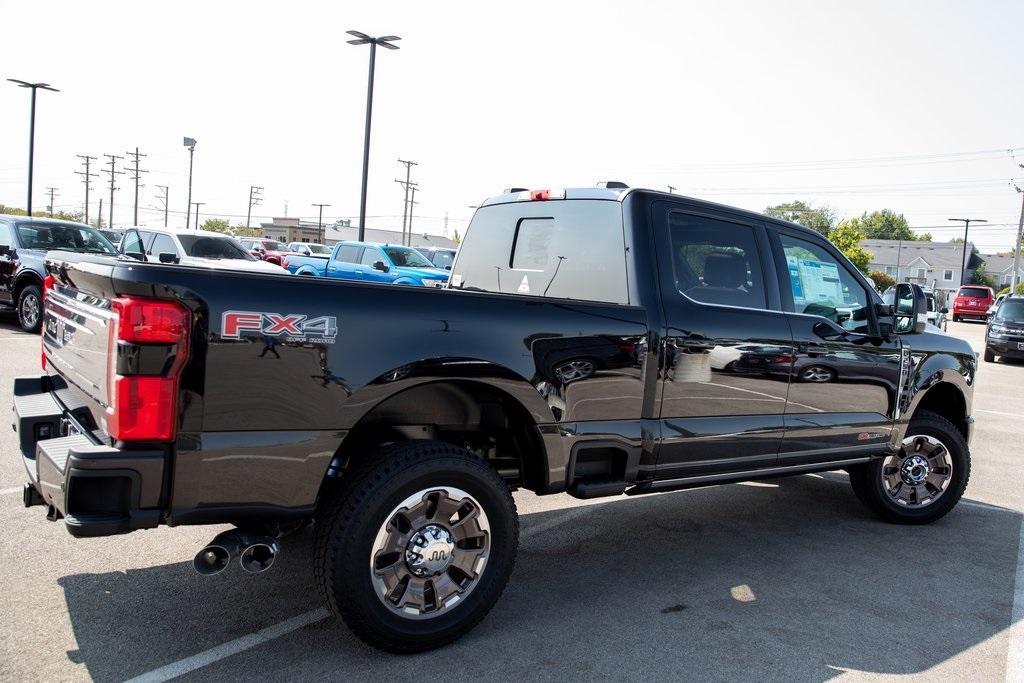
[543, 195]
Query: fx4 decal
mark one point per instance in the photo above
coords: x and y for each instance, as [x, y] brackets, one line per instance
[290, 326]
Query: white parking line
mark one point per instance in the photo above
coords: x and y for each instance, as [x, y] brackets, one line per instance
[13, 489]
[1015, 648]
[247, 642]
[996, 412]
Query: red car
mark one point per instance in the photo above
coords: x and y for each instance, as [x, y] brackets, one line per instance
[972, 301]
[268, 250]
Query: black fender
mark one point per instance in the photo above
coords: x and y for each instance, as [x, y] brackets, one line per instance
[951, 374]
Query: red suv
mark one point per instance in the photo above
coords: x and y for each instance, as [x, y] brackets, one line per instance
[972, 301]
[268, 250]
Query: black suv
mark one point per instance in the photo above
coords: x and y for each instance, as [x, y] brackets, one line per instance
[1004, 335]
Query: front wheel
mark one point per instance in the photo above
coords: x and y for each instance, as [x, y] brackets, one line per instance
[30, 308]
[990, 357]
[956, 318]
[924, 480]
[415, 545]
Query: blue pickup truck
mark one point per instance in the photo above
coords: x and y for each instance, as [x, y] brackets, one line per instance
[369, 262]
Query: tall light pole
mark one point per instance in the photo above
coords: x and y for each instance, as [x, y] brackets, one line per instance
[320, 223]
[967, 224]
[1016, 245]
[383, 41]
[191, 144]
[32, 130]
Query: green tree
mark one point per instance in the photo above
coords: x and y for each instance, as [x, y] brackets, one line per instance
[456, 237]
[1006, 289]
[11, 211]
[886, 225]
[980, 276]
[847, 237]
[216, 225]
[882, 280]
[821, 219]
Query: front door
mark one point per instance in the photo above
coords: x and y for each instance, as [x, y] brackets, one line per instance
[845, 384]
[8, 263]
[727, 348]
[372, 255]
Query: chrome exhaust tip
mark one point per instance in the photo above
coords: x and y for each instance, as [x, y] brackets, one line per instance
[213, 559]
[259, 556]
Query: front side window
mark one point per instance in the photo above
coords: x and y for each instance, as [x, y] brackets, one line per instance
[716, 261]
[371, 256]
[821, 285]
[132, 243]
[162, 244]
[443, 258]
[404, 256]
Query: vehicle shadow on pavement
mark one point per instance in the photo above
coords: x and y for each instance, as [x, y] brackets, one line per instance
[788, 579]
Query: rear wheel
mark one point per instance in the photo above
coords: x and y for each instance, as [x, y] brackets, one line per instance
[415, 545]
[30, 308]
[956, 318]
[924, 480]
[818, 374]
[989, 356]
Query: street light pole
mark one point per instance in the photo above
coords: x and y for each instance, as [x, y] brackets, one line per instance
[32, 130]
[191, 144]
[963, 260]
[1016, 244]
[320, 224]
[383, 41]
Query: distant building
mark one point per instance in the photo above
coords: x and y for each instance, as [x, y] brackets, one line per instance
[1000, 269]
[297, 230]
[934, 265]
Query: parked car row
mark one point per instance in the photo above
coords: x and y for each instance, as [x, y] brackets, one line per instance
[370, 262]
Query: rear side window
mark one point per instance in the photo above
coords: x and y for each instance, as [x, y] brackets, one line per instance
[561, 249]
[715, 261]
[348, 254]
[980, 292]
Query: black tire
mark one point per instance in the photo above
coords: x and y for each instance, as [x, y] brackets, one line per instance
[351, 515]
[990, 357]
[956, 318]
[30, 308]
[866, 479]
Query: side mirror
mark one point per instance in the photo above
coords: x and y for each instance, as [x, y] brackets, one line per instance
[168, 257]
[944, 311]
[137, 255]
[447, 267]
[381, 266]
[5, 250]
[911, 309]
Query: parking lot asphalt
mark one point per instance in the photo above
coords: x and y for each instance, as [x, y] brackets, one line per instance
[788, 579]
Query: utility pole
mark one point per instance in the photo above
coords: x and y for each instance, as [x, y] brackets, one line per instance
[406, 184]
[191, 144]
[1016, 244]
[163, 199]
[320, 223]
[51, 191]
[99, 215]
[671, 189]
[197, 205]
[445, 223]
[412, 207]
[112, 160]
[255, 199]
[87, 179]
[136, 172]
[963, 261]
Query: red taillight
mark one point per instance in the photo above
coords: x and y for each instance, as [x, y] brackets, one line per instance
[47, 286]
[543, 195]
[784, 358]
[144, 407]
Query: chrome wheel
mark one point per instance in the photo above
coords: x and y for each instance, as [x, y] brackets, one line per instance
[430, 552]
[28, 310]
[574, 370]
[816, 373]
[919, 474]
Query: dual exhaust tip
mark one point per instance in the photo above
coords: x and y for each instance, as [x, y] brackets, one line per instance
[256, 552]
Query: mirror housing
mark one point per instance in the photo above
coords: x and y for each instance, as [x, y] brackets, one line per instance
[168, 257]
[137, 255]
[911, 308]
[945, 310]
[381, 266]
[5, 250]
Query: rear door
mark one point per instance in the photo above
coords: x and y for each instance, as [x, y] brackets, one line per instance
[727, 348]
[845, 379]
[345, 263]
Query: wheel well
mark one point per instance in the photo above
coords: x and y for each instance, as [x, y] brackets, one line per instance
[471, 415]
[946, 400]
[26, 278]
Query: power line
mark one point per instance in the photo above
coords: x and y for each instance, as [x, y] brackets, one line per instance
[87, 177]
[112, 171]
[136, 172]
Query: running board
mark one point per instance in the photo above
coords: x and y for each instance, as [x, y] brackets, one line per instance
[746, 475]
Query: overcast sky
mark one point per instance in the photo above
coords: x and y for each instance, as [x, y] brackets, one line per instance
[746, 103]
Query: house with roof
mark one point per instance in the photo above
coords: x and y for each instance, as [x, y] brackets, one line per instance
[934, 265]
[1000, 268]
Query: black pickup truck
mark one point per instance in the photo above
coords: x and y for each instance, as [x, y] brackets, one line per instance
[24, 242]
[594, 341]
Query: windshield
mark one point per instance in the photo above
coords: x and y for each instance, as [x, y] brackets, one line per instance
[443, 258]
[404, 256]
[317, 249]
[65, 237]
[204, 246]
[271, 245]
[931, 302]
[1011, 310]
[112, 235]
[973, 291]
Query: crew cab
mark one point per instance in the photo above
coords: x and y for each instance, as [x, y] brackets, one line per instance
[265, 249]
[201, 248]
[24, 242]
[972, 301]
[371, 262]
[571, 352]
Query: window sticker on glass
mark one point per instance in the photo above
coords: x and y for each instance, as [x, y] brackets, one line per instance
[814, 281]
